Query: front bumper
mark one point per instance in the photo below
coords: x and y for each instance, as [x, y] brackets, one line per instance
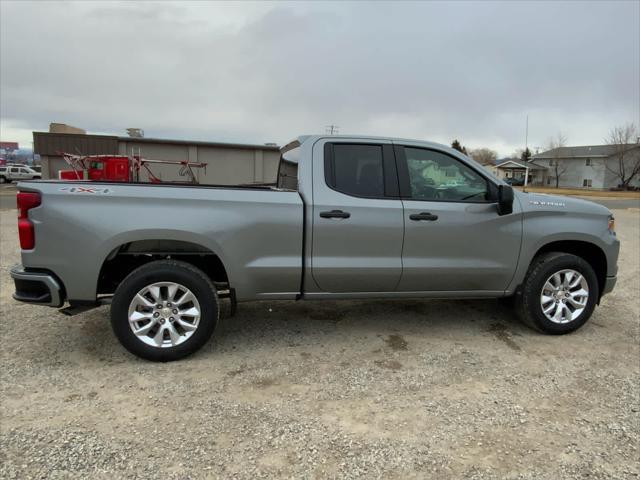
[609, 283]
[37, 287]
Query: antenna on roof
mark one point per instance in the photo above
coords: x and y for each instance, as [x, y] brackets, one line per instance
[135, 132]
[332, 129]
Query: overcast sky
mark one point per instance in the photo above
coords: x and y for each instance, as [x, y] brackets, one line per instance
[260, 72]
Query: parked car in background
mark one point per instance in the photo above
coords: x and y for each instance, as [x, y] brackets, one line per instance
[13, 173]
[515, 182]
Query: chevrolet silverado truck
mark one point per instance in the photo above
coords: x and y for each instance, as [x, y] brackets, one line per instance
[349, 217]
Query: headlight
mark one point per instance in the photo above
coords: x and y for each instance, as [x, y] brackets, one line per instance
[612, 225]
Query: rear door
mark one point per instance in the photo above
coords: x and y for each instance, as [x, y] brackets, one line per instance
[357, 217]
[454, 238]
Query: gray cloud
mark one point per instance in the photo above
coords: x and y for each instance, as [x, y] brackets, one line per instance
[267, 72]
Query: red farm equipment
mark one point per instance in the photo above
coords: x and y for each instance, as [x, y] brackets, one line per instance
[121, 168]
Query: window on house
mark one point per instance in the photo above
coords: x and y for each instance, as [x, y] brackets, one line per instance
[548, 180]
[586, 182]
[588, 162]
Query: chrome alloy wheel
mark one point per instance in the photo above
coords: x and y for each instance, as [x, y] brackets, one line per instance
[564, 296]
[164, 314]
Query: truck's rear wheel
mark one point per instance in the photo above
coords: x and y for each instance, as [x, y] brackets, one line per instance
[559, 293]
[164, 310]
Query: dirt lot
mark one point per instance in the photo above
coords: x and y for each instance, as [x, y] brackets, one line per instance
[394, 389]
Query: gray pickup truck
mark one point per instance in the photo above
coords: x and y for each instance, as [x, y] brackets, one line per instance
[349, 217]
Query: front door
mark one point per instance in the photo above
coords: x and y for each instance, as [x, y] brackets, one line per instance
[454, 238]
[357, 217]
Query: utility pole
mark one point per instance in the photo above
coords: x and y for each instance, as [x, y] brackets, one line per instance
[526, 147]
[332, 129]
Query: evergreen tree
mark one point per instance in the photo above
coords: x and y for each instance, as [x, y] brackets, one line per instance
[458, 146]
[526, 155]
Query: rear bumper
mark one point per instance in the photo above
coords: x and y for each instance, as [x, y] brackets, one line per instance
[40, 288]
[609, 283]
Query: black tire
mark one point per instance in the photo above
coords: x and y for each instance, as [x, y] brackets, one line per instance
[178, 272]
[544, 266]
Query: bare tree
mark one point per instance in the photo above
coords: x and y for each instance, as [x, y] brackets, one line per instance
[625, 167]
[484, 156]
[558, 164]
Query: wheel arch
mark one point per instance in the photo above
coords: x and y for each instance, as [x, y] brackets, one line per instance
[589, 252]
[126, 257]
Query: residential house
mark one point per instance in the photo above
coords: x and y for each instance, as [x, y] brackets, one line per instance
[516, 168]
[590, 166]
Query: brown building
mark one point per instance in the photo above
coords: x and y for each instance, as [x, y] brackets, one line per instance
[227, 163]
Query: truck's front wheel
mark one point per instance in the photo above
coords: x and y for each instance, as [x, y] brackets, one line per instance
[164, 310]
[559, 293]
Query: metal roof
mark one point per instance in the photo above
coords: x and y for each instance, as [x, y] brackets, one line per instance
[248, 146]
[47, 143]
[523, 165]
[586, 151]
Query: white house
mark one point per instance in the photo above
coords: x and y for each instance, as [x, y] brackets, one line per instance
[591, 166]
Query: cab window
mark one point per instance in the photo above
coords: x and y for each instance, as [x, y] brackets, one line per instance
[436, 176]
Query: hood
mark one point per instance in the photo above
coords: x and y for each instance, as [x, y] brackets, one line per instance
[542, 202]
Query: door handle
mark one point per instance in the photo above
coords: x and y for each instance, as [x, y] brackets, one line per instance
[423, 216]
[335, 214]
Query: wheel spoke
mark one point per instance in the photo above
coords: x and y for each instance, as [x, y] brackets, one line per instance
[142, 300]
[557, 316]
[154, 290]
[171, 290]
[186, 325]
[173, 334]
[568, 276]
[550, 308]
[138, 316]
[580, 293]
[145, 328]
[576, 281]
[190, 312]
[577, 303]
[158, 338]
[546, 299]
[187, 297]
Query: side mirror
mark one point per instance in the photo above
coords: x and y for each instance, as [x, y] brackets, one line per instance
[505, 200]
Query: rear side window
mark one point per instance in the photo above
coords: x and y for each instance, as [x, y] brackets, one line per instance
[356, 170]
[288, 169]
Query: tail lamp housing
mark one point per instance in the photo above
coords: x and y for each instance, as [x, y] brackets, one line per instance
[26, 201]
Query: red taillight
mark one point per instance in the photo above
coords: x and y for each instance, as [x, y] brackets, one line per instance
[27, 201]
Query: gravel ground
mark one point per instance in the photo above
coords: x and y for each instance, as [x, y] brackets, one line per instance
[357, 389]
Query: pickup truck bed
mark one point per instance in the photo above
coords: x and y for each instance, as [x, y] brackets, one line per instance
[256, 232]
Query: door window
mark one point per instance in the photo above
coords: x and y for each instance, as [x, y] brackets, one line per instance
[436, 176]
[15, 170]
[357, 170]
